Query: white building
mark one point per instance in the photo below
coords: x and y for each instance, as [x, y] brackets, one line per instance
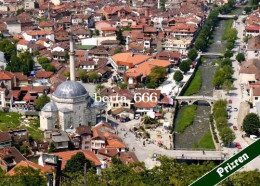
[38, 34]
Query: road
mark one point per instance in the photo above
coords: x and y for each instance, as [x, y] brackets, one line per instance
[239, 97]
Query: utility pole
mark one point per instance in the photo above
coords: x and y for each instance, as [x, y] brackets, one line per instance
[85, 174]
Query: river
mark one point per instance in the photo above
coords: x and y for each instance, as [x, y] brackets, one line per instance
[200, 126]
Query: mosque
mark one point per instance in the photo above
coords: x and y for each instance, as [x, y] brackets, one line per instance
[71, 105]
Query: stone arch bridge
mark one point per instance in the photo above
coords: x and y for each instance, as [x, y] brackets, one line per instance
[192, 99]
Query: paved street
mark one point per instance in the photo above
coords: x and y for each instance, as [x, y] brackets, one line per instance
[239, 97]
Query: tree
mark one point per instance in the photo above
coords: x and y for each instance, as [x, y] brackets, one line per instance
[230, 45]
[200, 44]
[228, 54]
[82, 75]
[41, 101]
[123, 86]
[51, 68]
[99, 87]
[240, 57]
[116, 161]
[25, 175]
[93, 76]
[246, 178]
[192, 54]
[97, 32]
[218, 78]
[232, 34]
[52, 148]
[158, 74]
[67, 74]
[227, 135]
[251, 123]
[119, 37]
[184, 67]
[43, 60]
[118, 50]
[178, 76]
[227, 86]
[77, 163]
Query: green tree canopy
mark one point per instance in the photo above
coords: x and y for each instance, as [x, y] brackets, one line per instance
[184, 66]
[230, 45]
[82, 74]
[227, 135]
[119, 37]
[41, 101]
[251, 123]
[201, 44]
[52, 147]
[77, 163]
[28, 176]
[158, 73]
[227, 85]
[192, 54]
[93, 76]
[218, 78]
[123, 86]
[178, 76]
[240, 57]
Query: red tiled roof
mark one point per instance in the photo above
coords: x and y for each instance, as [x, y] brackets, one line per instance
[6, 75]
[27, 163]
[43, 74]
[68, 154]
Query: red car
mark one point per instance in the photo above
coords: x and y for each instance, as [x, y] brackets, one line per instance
[238, 146]
[235, 127]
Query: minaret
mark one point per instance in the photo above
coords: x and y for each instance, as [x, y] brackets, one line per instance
[159, 4]
[72, 59]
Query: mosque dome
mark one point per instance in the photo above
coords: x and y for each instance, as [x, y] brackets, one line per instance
[50, 107]
[70, 89]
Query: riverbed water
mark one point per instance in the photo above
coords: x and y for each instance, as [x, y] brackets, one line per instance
[200, 126]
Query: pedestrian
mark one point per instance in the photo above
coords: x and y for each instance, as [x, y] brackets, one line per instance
[182, 155]
[144, 143]
[203, 152]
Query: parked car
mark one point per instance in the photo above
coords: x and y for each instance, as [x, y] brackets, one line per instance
[229, 107]
[235, 109]
[238, 146]
[124, 119]
[253, 137]
[229, 116]
[137, 117]
[234, 127]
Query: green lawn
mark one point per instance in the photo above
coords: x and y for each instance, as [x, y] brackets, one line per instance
[227, 29]
[206, 141]
[9, 120]
[186, 118]
[195, 84]
[33, 129]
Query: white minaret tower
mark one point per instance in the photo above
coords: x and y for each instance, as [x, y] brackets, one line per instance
[72, 60]
[159, 4]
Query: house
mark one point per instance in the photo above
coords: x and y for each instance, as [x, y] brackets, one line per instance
[23, 45]
[108, 31]
[252, 30]
[10, 157]
[136, 75]
[123, 112]
[112, 12]
[86, 65]
[46, 25]
[254, 92]
[29, 4]
[128, 157]
[120, 99]
[5, 139]
[38, 34]
[253, 48]
[85, 134]
[18, 136]
[177, 45]
[7, 79]
[60, 140]
[43, 169]
[248, 71]
[124, 61]
[173, 57]
[110, 43]
[65, 156]
[43, 74]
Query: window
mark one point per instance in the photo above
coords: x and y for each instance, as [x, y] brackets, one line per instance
[256, 98]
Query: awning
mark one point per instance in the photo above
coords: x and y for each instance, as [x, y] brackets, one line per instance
[158, 114]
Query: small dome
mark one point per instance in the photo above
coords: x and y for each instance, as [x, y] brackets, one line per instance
[50, 107]
[70, 89]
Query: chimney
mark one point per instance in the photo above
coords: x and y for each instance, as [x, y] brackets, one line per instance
[87, 55]
[72, 59]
